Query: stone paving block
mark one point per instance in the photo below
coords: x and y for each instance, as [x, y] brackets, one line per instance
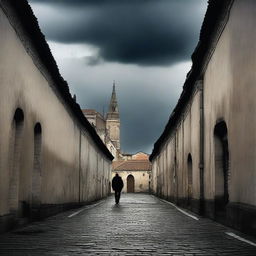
[140, 225]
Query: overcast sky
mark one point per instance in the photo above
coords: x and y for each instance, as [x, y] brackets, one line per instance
[144, 45]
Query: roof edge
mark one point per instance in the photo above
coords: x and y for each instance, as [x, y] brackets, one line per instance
[215, 13]
[30, 25]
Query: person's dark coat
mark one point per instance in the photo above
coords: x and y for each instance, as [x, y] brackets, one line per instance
[117, 183]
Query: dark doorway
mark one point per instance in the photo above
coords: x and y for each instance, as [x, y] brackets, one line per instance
[221, 170]
[130, 184]
[36, 176]
[16, 148]
[190, 179]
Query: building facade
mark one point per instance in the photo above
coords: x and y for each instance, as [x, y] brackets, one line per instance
[108, 128]
[51, 158]
[113, 120]
[205, 159]
[135, 169]
[135, 173]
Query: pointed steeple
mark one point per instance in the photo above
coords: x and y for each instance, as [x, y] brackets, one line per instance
[113, 112]
[112, 120]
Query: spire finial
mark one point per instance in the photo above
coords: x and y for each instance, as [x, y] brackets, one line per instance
[114, 86]
[113, 107]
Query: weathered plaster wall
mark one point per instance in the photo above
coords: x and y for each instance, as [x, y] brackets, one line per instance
[65, 168]
[113, 128]
[228, 97]
[141, 180]
[169, 171]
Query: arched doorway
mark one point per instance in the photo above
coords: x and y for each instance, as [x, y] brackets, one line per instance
[130, 184]
[14, 177]
[36, 175]
[221, 169]
[190, 179]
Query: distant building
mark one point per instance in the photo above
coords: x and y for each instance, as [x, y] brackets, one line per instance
[113, 120]
[107, 128]
[97, 121]
[135, 169]
[135, 172]
[127, 156]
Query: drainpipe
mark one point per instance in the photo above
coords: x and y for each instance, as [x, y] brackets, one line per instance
[79, 169]
[175, 170]
[201, 164]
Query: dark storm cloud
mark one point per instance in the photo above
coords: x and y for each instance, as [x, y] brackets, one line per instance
[105, 34]
[143, 32]
[93, 60]
[140, 128]
[145, 96]
[141, 122]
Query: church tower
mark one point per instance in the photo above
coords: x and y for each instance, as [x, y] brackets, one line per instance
[112, 120]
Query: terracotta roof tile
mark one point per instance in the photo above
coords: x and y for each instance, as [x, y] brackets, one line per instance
[140, 156]
[89, 111]
[132, 165]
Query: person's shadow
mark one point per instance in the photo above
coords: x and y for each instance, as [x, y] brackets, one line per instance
[117, 208]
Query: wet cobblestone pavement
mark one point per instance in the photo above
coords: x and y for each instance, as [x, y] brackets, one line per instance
[140, 225]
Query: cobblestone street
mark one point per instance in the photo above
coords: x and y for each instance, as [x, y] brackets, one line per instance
[140, 225]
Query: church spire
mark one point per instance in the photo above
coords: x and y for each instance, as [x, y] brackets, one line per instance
[112, 120]
[113, 112]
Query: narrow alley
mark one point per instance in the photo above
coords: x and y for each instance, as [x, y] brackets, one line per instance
[141, 225]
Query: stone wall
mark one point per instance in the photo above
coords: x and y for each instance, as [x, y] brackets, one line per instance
[48, 160]
[214, 138]
[170, 168]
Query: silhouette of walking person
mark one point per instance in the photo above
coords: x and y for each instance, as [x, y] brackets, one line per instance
[117, 185]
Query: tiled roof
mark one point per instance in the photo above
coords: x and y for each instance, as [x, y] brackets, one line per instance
[89, 111]
[92, 112]
[23, 12]
[140, 156]
[131, 165]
